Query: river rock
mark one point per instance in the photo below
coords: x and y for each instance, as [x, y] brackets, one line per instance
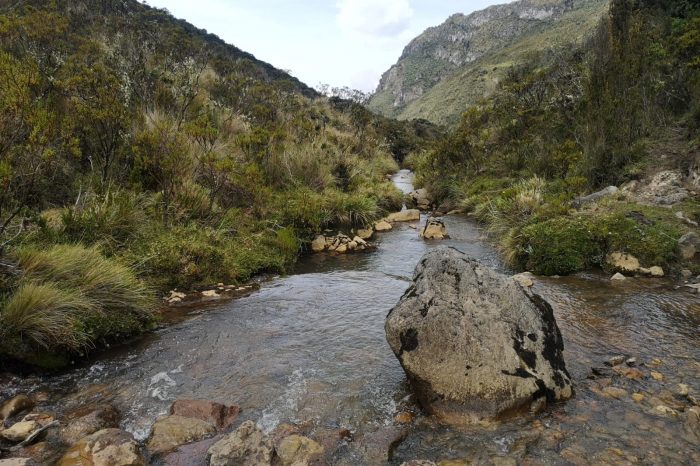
[319, 244]
[421, 198]
[14, 406]
[19, 431]
[382, 225]
[434, 229]
[219, 415]
[618, 277]
[16, 462]
[88, 420]
[365, 234]
[378, 446]
[408, 215]
[170, 432]
[623, 262]
[297, 450]
[246, 446]
[692, 423]
[192, 454]
[108, 447]
[689, 245]
[474, 344]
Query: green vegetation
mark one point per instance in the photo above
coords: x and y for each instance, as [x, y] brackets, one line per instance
[138, 154]
[565, 125]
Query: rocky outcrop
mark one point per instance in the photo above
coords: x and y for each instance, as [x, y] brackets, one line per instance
[475, 344]
[665, 188]
[109, 447]
[246, 446]
[454, 50]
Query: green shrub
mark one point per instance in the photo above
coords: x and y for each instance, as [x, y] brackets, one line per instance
[111, 219]
[652, 241]
[559, 246]
[350, 210]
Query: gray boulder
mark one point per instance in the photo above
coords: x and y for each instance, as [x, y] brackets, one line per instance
[582, 201]
[475, 344]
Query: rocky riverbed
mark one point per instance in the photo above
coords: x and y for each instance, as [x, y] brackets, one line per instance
[305, 359]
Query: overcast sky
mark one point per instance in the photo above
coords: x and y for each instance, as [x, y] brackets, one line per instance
[338, 42]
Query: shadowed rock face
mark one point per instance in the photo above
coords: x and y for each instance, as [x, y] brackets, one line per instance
[475, 345]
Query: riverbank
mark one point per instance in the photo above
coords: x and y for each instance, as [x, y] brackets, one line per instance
[308, 350]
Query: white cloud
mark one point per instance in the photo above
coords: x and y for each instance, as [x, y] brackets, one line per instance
[374, 18]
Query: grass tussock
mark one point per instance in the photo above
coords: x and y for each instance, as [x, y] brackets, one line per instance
[70, 298]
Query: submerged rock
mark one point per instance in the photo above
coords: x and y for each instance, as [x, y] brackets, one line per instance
[89, 420]
[219, 415]
[109, 447]
[14, 406]
[297, 450]
[474, 344]
[247, 446]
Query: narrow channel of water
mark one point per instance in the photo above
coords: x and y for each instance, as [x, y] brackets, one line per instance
[310, 347]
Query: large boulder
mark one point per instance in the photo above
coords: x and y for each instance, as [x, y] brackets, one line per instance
[108, 447]
[475, 344]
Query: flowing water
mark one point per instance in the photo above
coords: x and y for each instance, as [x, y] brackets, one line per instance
[309, 348]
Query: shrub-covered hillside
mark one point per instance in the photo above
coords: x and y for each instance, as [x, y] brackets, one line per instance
[622, 110]
[138, 153]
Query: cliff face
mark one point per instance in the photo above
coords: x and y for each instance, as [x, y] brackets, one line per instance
[465, 40]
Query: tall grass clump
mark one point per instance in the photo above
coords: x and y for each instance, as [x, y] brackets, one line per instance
[69, 299]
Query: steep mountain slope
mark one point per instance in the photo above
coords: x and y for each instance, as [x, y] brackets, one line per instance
[449, 67]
